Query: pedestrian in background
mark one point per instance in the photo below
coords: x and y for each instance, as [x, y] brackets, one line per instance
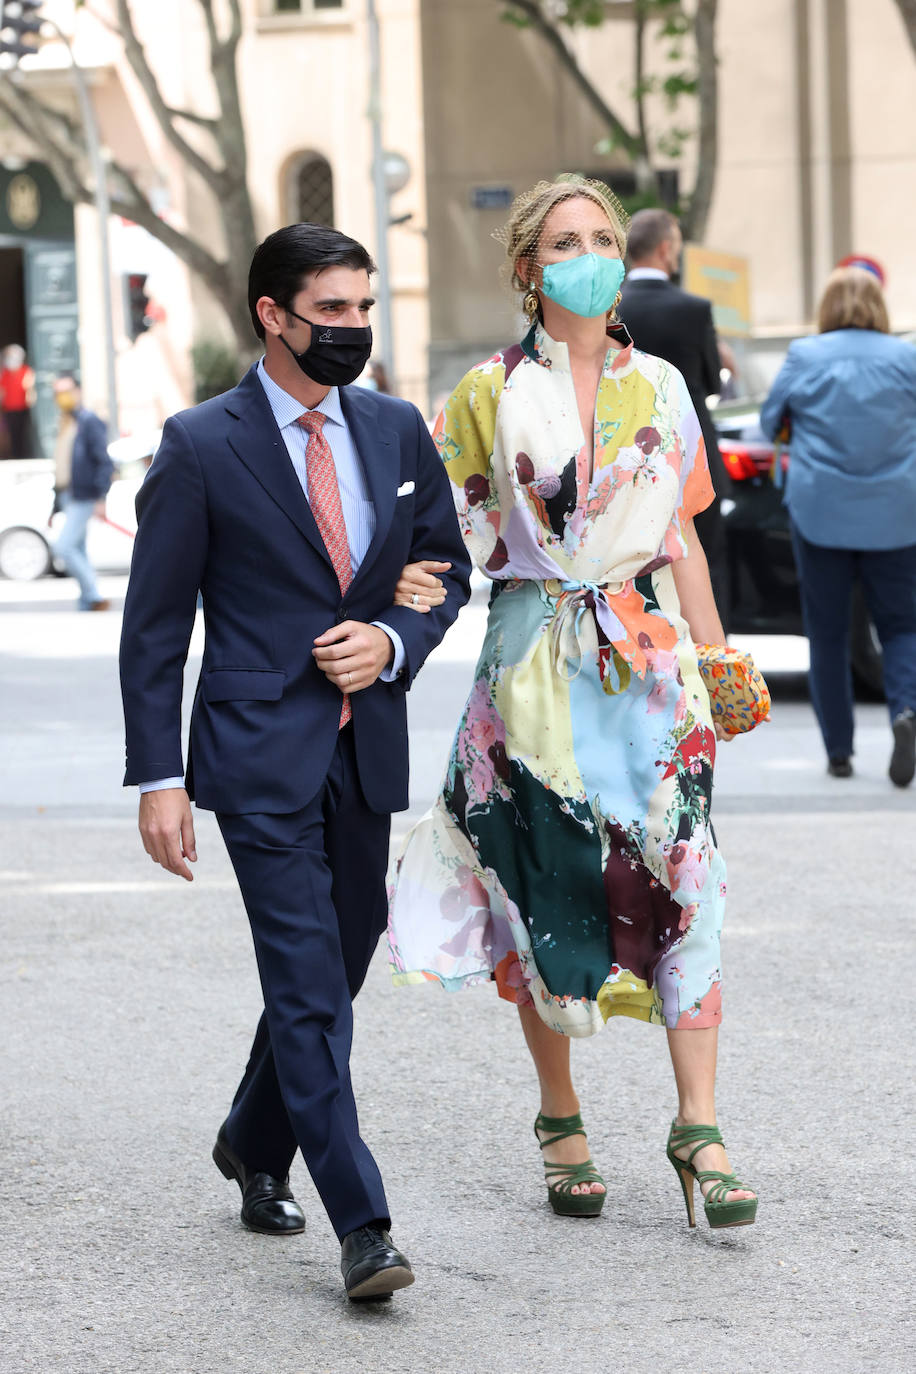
[848, 395]
[82, 476]
[674, 325]
[292, 503]
[570, 857]
[17, 396]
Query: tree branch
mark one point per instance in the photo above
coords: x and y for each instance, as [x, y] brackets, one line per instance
[136, 56]
[548, 30]
[704, 27]
[907, 10]
[205, 121]
[54, 136]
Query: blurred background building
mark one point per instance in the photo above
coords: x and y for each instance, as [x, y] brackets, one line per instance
[813, 149]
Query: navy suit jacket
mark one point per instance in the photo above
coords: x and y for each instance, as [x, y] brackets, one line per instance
[674, 325]
[221, 511]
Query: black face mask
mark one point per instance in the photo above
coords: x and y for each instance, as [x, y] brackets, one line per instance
[336, 355]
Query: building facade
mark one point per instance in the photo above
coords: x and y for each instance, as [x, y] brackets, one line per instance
[817, 160]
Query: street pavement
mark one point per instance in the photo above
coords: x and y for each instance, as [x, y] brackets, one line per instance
[127, 1002]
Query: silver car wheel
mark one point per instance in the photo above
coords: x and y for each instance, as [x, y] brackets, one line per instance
[24, 555]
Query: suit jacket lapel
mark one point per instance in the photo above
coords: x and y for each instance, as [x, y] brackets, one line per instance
[379, 454]
[257, 441]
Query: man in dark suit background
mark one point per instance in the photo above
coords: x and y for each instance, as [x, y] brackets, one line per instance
[678, 327]
[82, 476]
[291, 504]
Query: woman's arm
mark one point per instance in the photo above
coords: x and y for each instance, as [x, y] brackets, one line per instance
[775, 408]
[694, 590]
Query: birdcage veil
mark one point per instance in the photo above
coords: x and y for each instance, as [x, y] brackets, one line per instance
[521, 234]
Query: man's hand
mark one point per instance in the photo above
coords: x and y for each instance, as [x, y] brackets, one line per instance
[98, 510]
[352, 655]
[168, 829]
[419, 588]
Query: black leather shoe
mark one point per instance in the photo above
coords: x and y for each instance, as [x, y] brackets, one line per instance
[371, 1267]
[839, 767]
[268, 1206]
[903, 759]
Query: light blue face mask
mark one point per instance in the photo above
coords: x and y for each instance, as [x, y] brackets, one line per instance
[586, 285]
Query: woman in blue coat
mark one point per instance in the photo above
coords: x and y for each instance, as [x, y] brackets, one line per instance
[848, 394]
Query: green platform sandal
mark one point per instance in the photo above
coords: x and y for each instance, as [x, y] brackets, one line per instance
[719, 1213]
[565, 1177]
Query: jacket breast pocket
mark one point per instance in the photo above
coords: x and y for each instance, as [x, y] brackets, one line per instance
[243, 684]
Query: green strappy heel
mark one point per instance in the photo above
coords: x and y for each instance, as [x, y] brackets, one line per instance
[565, 1177]
[719, 1213]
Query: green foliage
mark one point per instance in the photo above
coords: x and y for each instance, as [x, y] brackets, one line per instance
[216, 368]
[671, 23]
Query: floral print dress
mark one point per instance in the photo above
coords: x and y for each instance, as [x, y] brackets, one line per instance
[570, 855]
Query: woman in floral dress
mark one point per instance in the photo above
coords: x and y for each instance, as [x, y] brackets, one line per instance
[570, 856]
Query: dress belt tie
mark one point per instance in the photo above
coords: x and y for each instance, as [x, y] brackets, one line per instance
[574, 600]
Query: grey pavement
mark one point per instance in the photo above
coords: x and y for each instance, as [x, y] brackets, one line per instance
[127, 1002]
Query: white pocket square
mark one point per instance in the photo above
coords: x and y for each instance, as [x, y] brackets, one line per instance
[406, 488]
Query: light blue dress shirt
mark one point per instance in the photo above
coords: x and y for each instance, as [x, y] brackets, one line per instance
[850, 397]
[358, 510]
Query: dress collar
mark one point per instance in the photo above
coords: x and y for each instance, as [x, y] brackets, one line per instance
[541, 348]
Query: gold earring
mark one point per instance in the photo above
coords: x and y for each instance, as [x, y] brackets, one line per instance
[531, 305]
[612, 313]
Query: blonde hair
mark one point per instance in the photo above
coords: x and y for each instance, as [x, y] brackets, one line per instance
[852, 299]
[522, 231]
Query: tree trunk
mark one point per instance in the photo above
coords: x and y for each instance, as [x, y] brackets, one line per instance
[697, 213]
[907, 10]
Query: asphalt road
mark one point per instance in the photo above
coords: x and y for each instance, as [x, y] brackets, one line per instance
[127, 1001]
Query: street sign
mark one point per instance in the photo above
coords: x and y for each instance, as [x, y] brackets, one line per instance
[724, 279]
[491, 197]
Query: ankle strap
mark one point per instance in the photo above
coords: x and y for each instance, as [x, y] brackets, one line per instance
[558, 1127]
[687, 1135]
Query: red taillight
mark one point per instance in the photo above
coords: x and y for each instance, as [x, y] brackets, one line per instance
[745, 460]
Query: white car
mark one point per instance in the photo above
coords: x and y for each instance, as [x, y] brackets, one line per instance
[27, 499]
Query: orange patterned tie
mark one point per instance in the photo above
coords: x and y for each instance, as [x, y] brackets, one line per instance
[324, 499]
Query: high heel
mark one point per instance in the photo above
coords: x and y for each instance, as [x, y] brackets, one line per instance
[562, 1199]
[719, 1213]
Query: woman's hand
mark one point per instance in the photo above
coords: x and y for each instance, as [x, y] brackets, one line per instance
[419, 588]
[721, 733]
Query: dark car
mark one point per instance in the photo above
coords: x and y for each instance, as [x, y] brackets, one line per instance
[763, 580]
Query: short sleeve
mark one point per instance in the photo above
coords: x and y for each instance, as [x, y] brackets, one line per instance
[696, 488]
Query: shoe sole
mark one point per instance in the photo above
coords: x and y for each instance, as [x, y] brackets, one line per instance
[903, 759]
[263, 1230]
[382, 1284]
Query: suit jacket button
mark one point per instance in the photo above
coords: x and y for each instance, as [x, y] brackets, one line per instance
[342, 613]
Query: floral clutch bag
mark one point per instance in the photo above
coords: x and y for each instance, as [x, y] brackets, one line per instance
[738, 694]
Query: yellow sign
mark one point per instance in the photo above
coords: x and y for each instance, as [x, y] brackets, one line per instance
[23, 202]
[724, 279]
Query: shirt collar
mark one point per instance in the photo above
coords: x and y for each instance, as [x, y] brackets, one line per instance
[287, 410]
[647, 274]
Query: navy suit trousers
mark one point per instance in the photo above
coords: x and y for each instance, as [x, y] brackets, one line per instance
[826, 578]
[313, 884]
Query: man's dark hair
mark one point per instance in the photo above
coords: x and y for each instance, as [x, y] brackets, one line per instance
[648, 228]
[286, 259]
[69, 377]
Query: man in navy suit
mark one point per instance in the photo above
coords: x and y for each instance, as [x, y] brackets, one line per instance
[678, 327]
[291, 505]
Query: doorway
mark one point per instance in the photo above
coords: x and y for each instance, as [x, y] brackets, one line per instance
[12, 297]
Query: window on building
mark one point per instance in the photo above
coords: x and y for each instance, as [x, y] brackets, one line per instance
[310, 190]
